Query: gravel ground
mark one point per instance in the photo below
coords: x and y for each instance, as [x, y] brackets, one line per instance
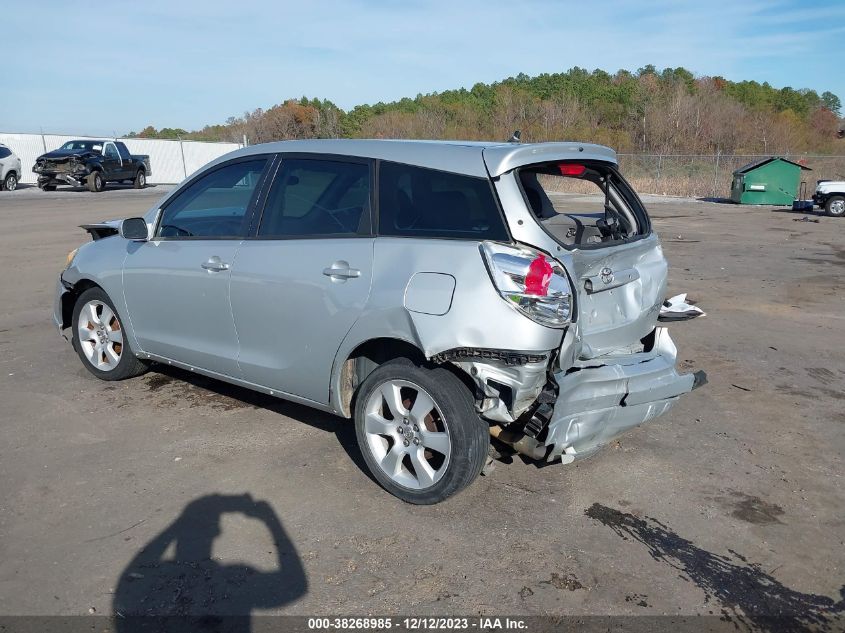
[172, 493]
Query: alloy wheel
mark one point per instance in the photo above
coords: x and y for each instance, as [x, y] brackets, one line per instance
[407, 434]
[100, 335]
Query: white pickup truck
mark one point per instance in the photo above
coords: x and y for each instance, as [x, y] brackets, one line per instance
[830, 195]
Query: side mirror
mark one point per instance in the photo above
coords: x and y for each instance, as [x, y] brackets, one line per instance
[134, 229]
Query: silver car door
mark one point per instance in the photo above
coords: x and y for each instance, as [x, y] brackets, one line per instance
[300, 284]
[177, 284]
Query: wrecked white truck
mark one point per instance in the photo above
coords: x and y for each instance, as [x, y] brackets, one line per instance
[438, 293]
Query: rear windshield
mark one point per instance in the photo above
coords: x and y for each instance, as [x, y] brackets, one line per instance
[583, 204]
[419, 202]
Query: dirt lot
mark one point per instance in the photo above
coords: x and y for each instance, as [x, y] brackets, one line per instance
[141, 495]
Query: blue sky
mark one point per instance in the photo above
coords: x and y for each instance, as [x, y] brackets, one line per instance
[186, 63]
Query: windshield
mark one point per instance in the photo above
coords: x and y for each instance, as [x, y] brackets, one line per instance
[95, 146]
[583, 204]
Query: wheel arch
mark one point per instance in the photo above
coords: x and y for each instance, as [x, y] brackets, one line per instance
[352, 368]
[70, 298]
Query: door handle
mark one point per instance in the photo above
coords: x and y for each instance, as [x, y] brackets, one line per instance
[341, 271]
[214, 265]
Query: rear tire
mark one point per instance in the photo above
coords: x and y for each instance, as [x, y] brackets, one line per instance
[10, 182]
[835, 206]
[140, 179]
[419, 432]
[99, 338]
[96, 182]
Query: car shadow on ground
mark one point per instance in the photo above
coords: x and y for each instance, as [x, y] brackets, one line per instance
[173, 583]
[226, 396]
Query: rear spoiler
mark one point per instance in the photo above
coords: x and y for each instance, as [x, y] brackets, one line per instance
[99, 230]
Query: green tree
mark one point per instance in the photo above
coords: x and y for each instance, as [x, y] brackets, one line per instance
[831, 102]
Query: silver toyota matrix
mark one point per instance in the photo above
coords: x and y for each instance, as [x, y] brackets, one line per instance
[440, 294]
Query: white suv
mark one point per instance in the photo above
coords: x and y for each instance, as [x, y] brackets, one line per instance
[10, 169]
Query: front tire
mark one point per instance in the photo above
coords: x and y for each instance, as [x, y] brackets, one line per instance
[48, 187]
[419, 433]
[95, 182]
[140, 179]
[835, 206]
[98, 338]
[10, 182]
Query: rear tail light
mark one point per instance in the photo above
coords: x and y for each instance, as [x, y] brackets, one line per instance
[531, 282]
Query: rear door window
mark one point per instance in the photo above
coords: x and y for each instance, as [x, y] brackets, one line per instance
[123, 151]
[419, 202]
[5, 152]
[583, 204]
[216, 205]
[316, 197]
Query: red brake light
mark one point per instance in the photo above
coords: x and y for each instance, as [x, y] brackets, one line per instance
[539, 277]
[571, 169]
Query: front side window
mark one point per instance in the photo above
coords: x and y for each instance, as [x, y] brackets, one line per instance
[215, 205]
[419, 202]
[317, 197]
[583, 204]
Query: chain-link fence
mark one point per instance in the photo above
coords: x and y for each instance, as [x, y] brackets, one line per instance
[709, 176]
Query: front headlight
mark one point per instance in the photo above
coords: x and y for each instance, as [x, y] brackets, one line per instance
[70, 257]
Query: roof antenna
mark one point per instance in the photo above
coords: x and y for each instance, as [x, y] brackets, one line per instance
[516, 136]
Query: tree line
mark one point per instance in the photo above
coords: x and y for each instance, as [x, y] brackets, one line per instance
[669, 111]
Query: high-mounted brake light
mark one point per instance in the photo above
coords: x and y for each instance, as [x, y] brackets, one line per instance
[571, 169]
[532, 283]
[539, 277]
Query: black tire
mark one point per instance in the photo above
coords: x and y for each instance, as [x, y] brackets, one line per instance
[835, 206]
[129, 365]
[48, 188]
[10, 182]
[95, 181]
[468, 435]
[140, 179]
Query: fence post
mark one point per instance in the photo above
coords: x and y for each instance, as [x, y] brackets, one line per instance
[659, 169]
[43, 142]
[182, 150]
[716, 171]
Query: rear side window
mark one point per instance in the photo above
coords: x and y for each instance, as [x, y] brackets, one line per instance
[215, 205]
[583, 204]
[123, 151]
[419, 202]
[5, 152]
[312, 197]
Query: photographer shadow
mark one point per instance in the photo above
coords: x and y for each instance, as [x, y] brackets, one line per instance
[191, 591]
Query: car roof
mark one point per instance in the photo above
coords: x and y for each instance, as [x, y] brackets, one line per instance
[472, 158]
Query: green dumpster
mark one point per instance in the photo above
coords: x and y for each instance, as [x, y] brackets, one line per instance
[773, 180]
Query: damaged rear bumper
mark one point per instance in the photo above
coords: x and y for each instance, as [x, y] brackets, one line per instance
[601, 398]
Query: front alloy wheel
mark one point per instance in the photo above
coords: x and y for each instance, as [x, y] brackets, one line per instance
[100, 335]
[96, 183]
[835, 206]
[99, 339]
[419, 432]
